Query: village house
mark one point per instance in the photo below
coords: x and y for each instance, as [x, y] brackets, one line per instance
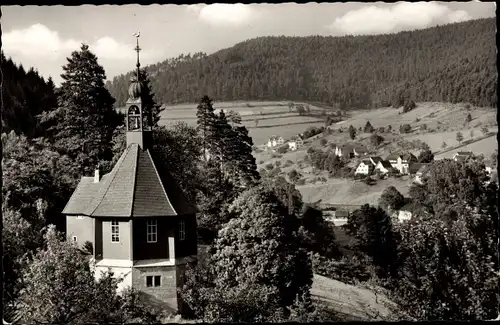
[375, 160]
[383, 167]
[462, 156]
[272, 142]
[365, 167]
[350, 151]
[418, 171]
[139, 223]
[295, 143]
[402, 162]
[403, 214]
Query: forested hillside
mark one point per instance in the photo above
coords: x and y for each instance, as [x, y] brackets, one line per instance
[452, 63]
[24, 95]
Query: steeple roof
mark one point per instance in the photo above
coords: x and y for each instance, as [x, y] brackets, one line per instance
[134, 188]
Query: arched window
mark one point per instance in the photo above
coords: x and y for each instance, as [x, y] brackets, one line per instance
[134, 118]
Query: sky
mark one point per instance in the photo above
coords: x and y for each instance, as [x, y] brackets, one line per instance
[44, 36]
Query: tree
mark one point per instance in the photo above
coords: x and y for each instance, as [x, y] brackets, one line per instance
[392, 199]
[293, 176]
[389, 129]
[485, 130]
[448, 271]
[408, 106]
[323, 142]
[206, 120]
[425, 156]
[272, 268]
[372, 229]
[444, 145]
[352, 132]
[405, 128]
[83, 123]
[286, 193]
[460, 137]
[151, 109]
[471, 134]
[60, 287]
[376, 140]
[468, 119]
[368, 127]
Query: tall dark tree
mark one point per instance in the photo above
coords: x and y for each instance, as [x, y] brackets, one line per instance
[425, 156]
[352, 132]
[374, 235]
[368, 127]
[83, 123]
[206, 123]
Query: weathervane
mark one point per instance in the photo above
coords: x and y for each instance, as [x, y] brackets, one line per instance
[137, 49]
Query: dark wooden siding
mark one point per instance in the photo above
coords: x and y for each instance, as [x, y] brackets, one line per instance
[188, 246]
[144, 250]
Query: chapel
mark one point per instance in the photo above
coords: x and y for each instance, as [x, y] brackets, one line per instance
[138, 220]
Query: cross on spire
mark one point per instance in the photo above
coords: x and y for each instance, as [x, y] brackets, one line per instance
[137, 49]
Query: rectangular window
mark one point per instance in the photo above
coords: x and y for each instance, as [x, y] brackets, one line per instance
[79, 217]
[75, 239]
[153, 281]
[115, 231]
[182, 230]
[152, 231]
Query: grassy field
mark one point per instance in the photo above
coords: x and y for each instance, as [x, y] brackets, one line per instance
[351, 302]
[276, 118]
[347, 191]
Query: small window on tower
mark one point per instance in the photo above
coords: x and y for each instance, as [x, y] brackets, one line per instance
[75, 239]
[152, 231]
[115, 231]
[182, 230]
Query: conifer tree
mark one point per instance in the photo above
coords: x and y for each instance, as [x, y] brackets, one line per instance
[83, 123]
[206, 122]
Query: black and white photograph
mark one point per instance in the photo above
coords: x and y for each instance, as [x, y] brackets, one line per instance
[249, 162]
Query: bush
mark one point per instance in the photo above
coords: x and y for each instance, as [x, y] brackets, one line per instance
[301, 181]
[282, 149]
[278, 163]
[269, 166]
[323, 142]
[261, 162]
[405, 128]
[347, 270]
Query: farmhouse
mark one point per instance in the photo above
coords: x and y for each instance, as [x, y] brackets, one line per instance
[462, 156]
[418, 170]
[350, 151]
[295, 143]
[383, 167]
[402, 162]
[138, 221]
[403, 214]
[375, 160]
[273, 142]
[364, 168]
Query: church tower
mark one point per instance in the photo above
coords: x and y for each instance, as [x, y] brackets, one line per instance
[136, 217]
[138, 121]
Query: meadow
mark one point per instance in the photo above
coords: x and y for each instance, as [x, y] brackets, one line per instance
[274, 118]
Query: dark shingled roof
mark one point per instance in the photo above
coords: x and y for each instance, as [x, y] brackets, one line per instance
[392, 157]
[415, 167]
[134, 188]
[376, 159]
[386, 164]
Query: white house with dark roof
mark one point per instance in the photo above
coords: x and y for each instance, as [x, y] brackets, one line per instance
[139, 222]
[402, 162]
[350, 150]
[365, 167]
[383, 167]
[375, 160]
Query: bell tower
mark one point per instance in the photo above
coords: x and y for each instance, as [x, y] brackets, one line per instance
[138, 122]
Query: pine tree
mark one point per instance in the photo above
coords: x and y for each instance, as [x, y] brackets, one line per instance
[83, 123]
[206, 123]
[352, 132]
[150, 108]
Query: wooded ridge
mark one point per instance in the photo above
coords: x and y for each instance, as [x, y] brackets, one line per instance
[451, 63]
